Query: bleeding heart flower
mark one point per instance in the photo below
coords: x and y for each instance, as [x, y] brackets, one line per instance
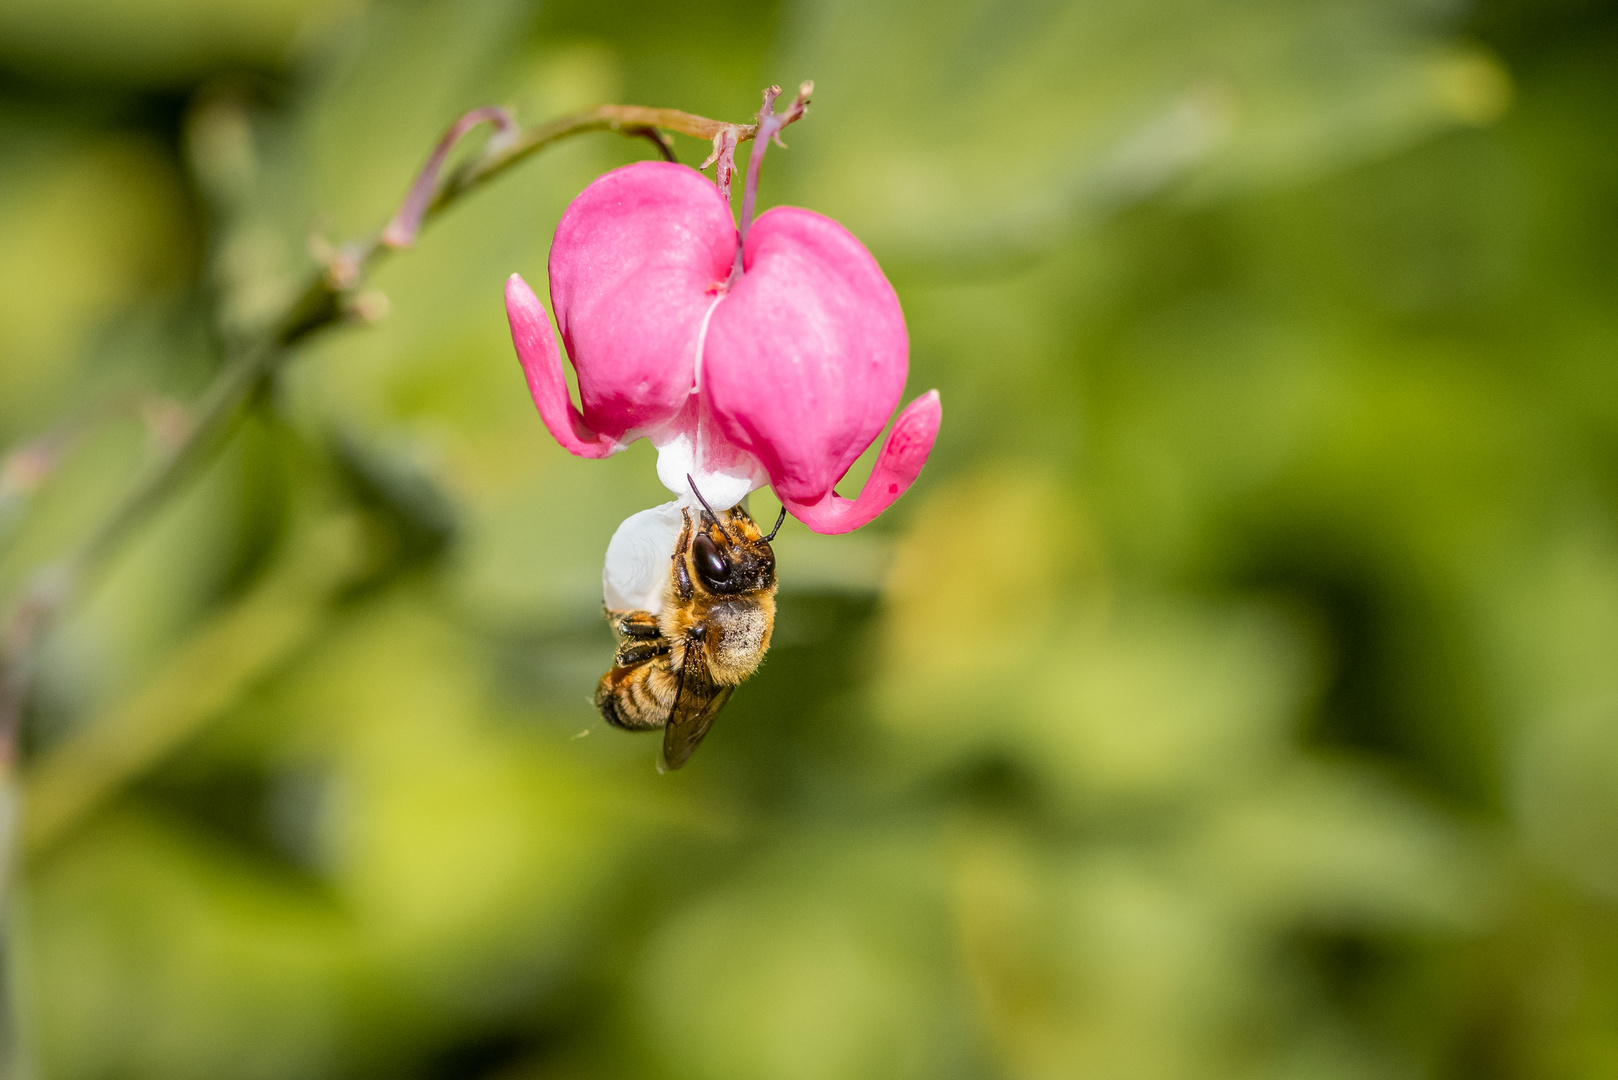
[770, 354]
[786, 372]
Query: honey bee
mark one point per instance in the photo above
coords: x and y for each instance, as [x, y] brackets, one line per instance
[676, 670]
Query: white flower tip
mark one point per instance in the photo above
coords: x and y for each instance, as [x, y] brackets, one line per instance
[723, 486]
[637, 567]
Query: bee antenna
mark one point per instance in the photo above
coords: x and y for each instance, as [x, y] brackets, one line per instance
[777, 528]
[711, 515]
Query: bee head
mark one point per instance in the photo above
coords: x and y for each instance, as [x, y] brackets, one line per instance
[733, 557]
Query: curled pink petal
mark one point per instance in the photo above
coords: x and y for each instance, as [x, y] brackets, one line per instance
[806, 357]
[897, 467]
[542, 365]
[639, 259]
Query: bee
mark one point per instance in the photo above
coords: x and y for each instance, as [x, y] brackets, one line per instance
[675, 670]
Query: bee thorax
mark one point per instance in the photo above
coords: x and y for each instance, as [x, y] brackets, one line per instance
[737, 636]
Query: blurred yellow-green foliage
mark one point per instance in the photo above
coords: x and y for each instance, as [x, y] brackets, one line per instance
[1235, 695]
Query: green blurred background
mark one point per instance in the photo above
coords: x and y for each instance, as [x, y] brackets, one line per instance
[1235, 694]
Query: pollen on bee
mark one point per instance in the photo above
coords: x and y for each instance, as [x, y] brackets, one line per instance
[742, 641]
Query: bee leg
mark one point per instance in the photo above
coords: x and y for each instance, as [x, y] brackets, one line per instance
[682, 576]
[639, 624]
[634, 652]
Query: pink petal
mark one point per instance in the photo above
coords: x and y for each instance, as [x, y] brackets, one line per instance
[542, 365]
[896, 469]
[638, 260]
[806, 357]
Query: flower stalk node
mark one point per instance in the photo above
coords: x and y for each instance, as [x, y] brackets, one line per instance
[724, 152]
[341, 265]
[369, 307]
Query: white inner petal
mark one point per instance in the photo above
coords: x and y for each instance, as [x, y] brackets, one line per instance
[723, 483]
[637, 568]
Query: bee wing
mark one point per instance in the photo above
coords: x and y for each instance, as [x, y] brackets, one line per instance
[696, 703]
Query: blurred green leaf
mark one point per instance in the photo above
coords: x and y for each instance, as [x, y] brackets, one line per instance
[989, 129]
[156, 41]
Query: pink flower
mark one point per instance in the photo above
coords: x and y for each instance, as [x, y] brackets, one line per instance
[782, 373]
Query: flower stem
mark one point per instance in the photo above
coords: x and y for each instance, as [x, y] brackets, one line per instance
[768, 128]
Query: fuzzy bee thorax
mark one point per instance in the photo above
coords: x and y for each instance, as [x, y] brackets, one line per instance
[737, 637]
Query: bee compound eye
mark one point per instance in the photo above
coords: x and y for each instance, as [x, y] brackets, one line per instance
[712, 567]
